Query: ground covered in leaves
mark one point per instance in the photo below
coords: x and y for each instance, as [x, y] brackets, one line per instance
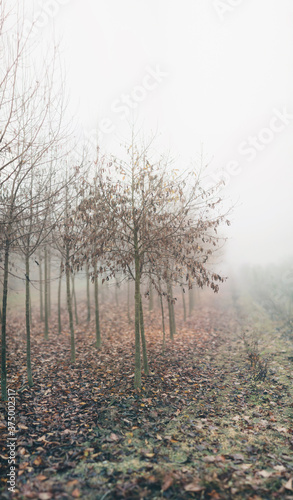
[205, 424]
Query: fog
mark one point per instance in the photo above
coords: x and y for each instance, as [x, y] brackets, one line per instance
[198, 73]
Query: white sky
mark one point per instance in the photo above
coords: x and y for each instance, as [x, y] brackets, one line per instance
[225, 78]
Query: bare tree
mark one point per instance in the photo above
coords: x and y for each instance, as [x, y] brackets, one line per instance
[66, 236]
[31, 123]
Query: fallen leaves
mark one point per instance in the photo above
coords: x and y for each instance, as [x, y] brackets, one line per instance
[37, 461]
[45, 496]
[193, 487]
[76, 493]
[113, 437]
[238, 457]
[167, 482]
[265, 473]
[280, 468]
[23, 427]
[196, 427]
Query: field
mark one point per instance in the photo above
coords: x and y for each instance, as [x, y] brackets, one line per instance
[213, 420]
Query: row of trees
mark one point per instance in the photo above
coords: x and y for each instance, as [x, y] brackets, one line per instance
[133, 216]
[140, 217]
[32, 136]
[136, 220]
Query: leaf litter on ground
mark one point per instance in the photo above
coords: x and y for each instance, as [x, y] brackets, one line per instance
[200, 427]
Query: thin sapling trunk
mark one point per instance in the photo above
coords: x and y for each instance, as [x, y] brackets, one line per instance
[143, 342]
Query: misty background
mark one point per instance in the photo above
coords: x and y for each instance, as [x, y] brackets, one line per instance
[222, 85]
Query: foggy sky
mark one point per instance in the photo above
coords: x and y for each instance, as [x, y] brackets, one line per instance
[217, 73]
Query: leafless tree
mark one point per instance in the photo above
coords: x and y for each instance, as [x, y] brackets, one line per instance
[32, 108]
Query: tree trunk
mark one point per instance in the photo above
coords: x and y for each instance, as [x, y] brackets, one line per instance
[49, 282]
[191, 301]
[143, 342]
[184, 304]
[128, 302]
[88, 293]
[69, 306]
[97, 314]
[59, 298]
[74, 298]
[46, 296]
[27, 321]
[170, 320]
[31, 309]
[102, 294]
[137, 372]
[151, 297]
[41, 288]
[171, 311]
[163, 322]
[173, 314]
[3, 329]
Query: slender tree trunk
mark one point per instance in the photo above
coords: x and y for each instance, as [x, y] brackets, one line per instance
[41, 288]
[137, 372]
[69, 306]
[191, 300]
[74, 298]
[151, 297]
[46, 296]
[184, 304]
[171, 312]
[97, 314]
[3, 329]
[49, 282]
[128, 302]
[88, 296]
[31, 309]
[170, 320]
[27, 321]
[102, 294]
[143, 342]
[59, 298]
[0, 304]
[163, 322]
